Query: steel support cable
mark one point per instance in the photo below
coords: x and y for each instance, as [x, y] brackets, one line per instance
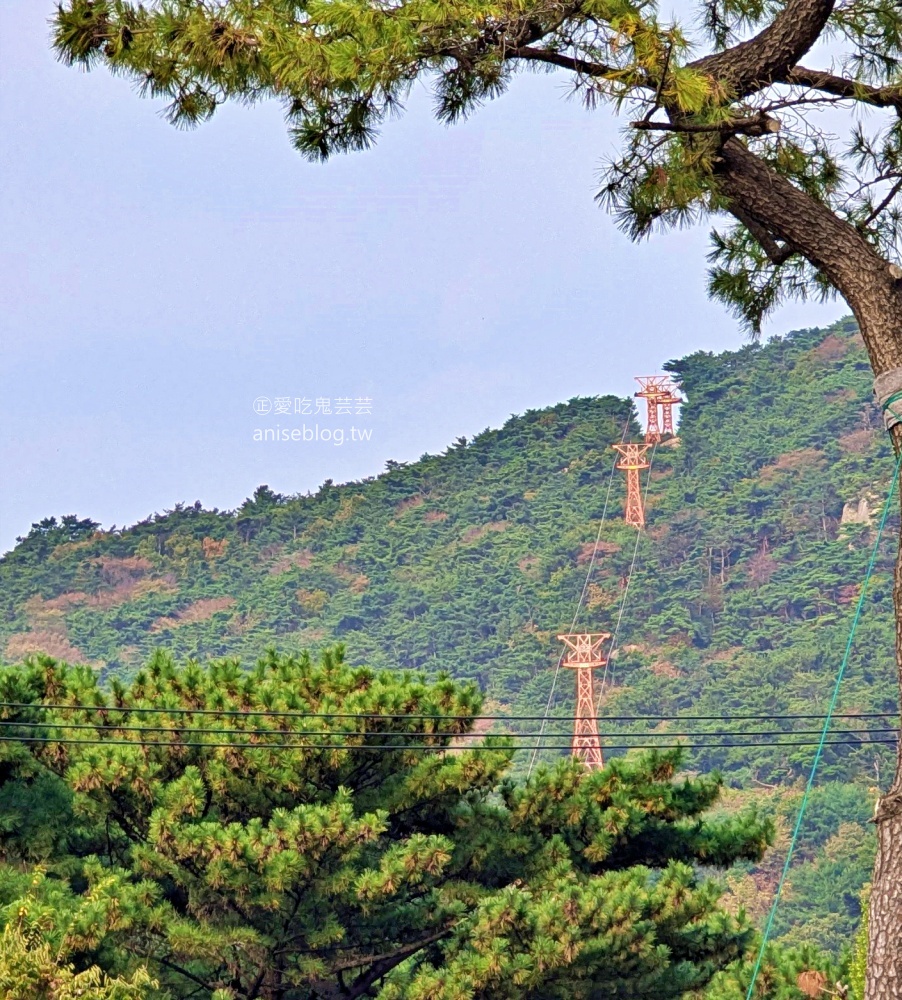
[112, 727]
[244, 745]
[265, 713]
[626, 590]
[582, 597]
[840, 674]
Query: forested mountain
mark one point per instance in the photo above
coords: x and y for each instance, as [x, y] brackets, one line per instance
[761, 515]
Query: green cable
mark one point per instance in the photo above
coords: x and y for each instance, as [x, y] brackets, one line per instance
[894, 398]
[829, 718]
[887, 407]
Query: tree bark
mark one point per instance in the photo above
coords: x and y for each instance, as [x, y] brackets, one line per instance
[864, 279]
[832, 245]
[752, 65]
[884, 964]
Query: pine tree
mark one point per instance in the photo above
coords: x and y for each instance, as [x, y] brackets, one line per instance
[729, 131]
[785, 974]
[252, 856]
[858, 960]
[47, 936]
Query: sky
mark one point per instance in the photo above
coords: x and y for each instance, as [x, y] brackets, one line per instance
[155, 283]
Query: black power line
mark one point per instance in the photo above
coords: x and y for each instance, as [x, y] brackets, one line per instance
[437, 716]
[179, 744]
[342, 734]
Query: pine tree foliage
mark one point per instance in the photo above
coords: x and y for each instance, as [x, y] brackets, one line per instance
[471, 561]
[48, 935]
[340, 68]
[779, 976]
[247, 871]
[858, 957]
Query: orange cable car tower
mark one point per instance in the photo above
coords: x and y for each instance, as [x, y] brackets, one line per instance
[632, 462]
[658, 391]
[583, 653]
[652, 388]
[667, 404]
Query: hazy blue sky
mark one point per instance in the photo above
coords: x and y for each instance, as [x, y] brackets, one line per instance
[156, 282]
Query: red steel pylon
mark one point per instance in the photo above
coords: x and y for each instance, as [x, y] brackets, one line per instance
[583, 654]
[667, 412]
[632, 463]
[657, 391]
[667, 404]
[651, 389]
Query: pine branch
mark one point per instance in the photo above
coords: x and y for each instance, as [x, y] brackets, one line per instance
[392, 956]
[583, 66]
[184, 972]
[840, 86]
[752, 65]
[381, 964]
[757, 126]
[776, 253]
[884, 204]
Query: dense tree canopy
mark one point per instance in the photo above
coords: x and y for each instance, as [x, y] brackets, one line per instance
[247, 854]
[723, 121]
[471, 561]
[44, 926]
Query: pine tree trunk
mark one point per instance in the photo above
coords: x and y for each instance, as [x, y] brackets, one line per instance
[884, 967]
[786, 214]
[881, 324]
[884, 964]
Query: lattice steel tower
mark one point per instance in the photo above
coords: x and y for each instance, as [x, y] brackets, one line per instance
[583, 653]
[651, 389]
[667, 403]
[658, 391]
[632, 462]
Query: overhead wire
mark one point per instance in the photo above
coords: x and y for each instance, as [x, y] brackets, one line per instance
[585, 587]
[278, 714]
[626, 590]
[874, 737]
[113, 727]
[244, 745]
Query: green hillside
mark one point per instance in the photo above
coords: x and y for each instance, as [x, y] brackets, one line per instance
[471, 561]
